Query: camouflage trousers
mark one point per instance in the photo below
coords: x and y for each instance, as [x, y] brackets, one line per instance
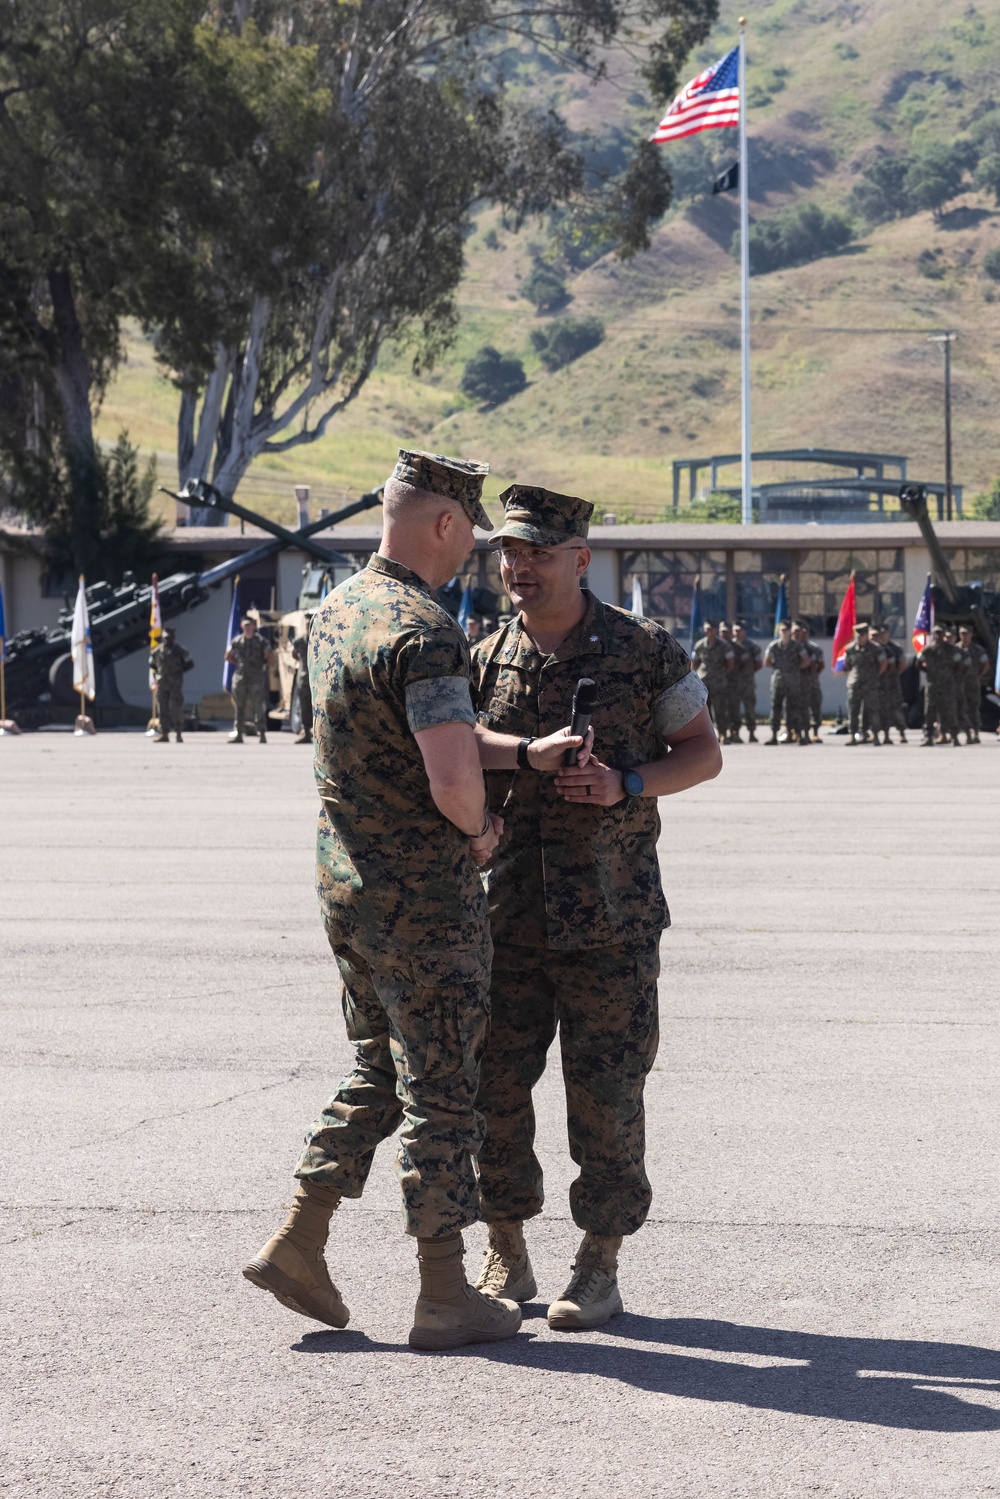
[604, 1003]
[170, 708]
[742, 702]
[814, 701]
[890, 703]
[249, 705]
[419, 1024]
[972, 703]
[939, 708]
[790, 702]
[718, 702]
[864, 708]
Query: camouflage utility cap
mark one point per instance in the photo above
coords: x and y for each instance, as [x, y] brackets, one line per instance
[542, 517]
[458, 479]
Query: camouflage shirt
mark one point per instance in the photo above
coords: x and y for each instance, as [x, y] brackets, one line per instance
[786, 657]
[251, 657]
[894, 654]
[815, 654]
[863, 664]
[169, 663]
[567, 875]
[942, 663]
[746, 659]
[385, 661]
[978, 661]
[711, 660]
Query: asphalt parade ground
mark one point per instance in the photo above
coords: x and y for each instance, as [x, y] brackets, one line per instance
[812, 1308]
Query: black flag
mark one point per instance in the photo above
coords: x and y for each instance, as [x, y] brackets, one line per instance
[727, 181]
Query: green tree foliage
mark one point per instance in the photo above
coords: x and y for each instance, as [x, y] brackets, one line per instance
[986, 506]
[934, 175]
[492, 377]
[794, 237]
[930, 176]
[545, 288]
[566, 339]
[991, 264]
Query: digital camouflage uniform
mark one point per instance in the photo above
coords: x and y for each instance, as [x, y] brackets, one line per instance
[577, 910]
[711, 662]
[890, 690]
[168, 664]
[814, 687]
[940, 664]
[742, 685]
[972, 682]
[789, 686]
[863, 662]
[402, 901]
[249, 689]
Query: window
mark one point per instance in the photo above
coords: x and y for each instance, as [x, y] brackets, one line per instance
[668, 580]
[976, 565]
[878, 582]
[758, 577]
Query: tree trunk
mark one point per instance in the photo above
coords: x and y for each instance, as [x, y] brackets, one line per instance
[72, 376]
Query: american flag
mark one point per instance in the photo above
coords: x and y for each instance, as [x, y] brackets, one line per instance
[923, 625]
[709, 102]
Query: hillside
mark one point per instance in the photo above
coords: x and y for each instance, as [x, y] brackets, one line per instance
[831, 85]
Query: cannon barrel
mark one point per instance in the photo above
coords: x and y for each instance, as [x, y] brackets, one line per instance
[961, 603]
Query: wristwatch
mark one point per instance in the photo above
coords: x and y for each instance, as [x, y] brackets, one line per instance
[522, 751]
[632, 783]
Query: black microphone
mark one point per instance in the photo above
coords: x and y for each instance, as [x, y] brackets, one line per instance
[584, 703]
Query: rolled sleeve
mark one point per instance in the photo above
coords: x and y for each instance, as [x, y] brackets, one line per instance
[436, 700]
[678, 705]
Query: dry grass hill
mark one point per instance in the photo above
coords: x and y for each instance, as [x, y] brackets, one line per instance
[840, 353]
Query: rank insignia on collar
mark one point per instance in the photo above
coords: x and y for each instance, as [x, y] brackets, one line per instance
[594, 637]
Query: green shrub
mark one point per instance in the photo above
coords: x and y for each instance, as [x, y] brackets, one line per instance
[795, 237]
[492, 377]
[545, 289]
[991, 264]
[565, 339]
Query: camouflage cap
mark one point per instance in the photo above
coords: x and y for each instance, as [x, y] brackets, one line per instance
[542, 517]
[458, 479]
[860, 628]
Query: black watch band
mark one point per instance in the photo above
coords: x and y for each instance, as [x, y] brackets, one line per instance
[522, 751]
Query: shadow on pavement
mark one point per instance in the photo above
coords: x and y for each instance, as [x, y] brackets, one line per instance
[879, 1381]
[904, 1384]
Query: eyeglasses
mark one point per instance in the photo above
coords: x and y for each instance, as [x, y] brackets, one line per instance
[536, 556]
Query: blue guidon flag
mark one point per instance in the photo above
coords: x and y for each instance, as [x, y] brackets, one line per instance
[709, 102]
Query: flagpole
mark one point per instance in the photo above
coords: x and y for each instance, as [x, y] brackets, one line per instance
[747, 515]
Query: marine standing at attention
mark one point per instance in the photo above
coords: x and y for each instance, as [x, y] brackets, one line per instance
[890, 690]
[748, 662]
[714, 659]
[575, 897]
[251, 655]
[976, 673]
[940, 663]
[789, 661]
[403, 829]
[168, 662]
[864, 662]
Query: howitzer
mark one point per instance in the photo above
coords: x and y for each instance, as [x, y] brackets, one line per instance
[38, 662]
[954, 603]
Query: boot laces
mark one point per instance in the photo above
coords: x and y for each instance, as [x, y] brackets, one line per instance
[587, 1274]
[502, 1254]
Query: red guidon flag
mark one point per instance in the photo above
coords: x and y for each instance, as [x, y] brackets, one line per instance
[846, 620]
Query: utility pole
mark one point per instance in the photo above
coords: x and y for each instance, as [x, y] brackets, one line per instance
[947, 339]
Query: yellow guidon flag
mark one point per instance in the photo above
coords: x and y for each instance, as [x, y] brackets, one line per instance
[155, 626]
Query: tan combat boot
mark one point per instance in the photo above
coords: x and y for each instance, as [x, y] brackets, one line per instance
[592, 1296]
[507, 1271]
[235, 737]
[450, 1312]
[291, 1265]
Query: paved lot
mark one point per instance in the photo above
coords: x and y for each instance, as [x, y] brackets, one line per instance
[812, 1308]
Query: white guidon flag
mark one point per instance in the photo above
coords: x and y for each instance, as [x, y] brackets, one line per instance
[83, 651]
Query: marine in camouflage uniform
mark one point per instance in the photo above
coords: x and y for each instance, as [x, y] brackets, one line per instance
[973, 678]
[785, 657]
[814, 688]
[747, 662]
[405, 913]
[864, 663]
[168, 662]
[251, 655]
[890, 689]
[713, 659]
[577, 910]
[940, 663]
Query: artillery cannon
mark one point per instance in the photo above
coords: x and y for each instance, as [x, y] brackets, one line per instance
[38, 662]
[954, 603]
